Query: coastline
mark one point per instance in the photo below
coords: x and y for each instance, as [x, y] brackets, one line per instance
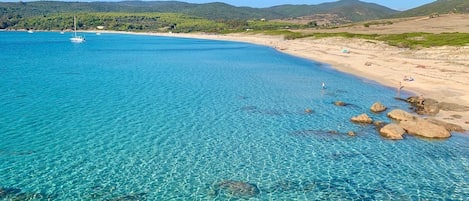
[440, 73]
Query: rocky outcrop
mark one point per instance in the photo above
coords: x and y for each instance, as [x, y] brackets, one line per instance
[432, 107]
[417, 126]
[363, 118]
[424, 128]
[378, 107]
[449, 126]
[429, 108]
[392, 131]
[424, 106]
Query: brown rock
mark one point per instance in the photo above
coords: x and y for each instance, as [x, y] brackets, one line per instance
[392, 131]
[424, 128]
[401, 115]
[429, 108]
[363, 118]
[449, 126]
[339, 103]
[378, 107]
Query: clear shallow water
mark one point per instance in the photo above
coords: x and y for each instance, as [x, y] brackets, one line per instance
[154, 118]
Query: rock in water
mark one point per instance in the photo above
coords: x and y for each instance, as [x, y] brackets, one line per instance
[377, 107]
[425, 128]
[339, 103]
[237, 189]
[401, 115]
[363, 118]
[392, 131]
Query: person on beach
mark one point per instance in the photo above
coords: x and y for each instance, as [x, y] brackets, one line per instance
[399, 89]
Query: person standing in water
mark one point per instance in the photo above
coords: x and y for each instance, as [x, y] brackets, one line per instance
[323, 85]
[399, 89]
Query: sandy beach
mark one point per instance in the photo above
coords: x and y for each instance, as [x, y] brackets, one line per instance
[441, 73]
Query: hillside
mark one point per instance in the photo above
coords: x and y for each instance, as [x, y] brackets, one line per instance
[446, 23]
[437, 7]
[353, 10]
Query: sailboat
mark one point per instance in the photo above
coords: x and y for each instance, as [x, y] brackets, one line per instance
[76, 38]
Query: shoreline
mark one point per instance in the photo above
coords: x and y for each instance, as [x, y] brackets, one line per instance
[440, 73]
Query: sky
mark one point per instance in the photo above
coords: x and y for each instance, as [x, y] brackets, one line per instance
[394, 4]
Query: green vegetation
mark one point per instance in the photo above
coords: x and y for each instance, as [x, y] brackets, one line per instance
[180, 17]
[416, 40]
[12, 12]
[405, 40]
[145, 22]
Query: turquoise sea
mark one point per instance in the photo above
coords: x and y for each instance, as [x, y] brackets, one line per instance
[132, 117]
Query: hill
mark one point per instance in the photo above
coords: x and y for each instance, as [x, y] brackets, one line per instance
[437, 7]
[334, 13]
[353, 10]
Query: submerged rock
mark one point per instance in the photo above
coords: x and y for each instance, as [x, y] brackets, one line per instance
[31, 196]
[237, 189]
[340, 103]
[379, 124]
[130, 197]
[8, 191]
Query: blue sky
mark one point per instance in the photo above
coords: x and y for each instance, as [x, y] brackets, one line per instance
[394, 4]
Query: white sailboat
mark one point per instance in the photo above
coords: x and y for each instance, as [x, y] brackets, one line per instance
[76, 38]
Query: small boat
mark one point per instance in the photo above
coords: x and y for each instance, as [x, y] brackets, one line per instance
[30, 31]
[76, 38]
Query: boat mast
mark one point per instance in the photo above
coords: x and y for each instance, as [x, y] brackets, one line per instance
[75, 25]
